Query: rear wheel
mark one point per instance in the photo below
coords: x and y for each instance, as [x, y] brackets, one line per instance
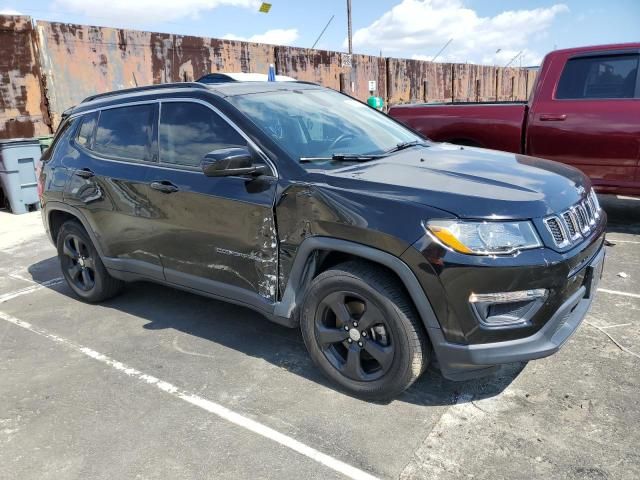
[81, 265]
[363, 332]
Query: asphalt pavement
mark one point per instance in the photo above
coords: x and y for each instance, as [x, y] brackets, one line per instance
[159, 383]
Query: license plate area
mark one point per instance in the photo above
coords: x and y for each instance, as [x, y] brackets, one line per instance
[593, 274]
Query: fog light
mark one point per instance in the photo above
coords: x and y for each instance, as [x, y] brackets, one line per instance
[507, 308]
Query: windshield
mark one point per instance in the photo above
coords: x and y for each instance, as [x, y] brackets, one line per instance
[316, 125]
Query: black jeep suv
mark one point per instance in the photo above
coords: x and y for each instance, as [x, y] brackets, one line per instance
[388, 250]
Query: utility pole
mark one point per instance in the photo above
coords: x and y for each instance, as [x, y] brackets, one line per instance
[349, 26]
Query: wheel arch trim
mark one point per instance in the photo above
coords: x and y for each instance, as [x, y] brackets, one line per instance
[53, 206]
[300, 273]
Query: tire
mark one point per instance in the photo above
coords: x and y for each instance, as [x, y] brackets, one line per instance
[82, 267]
[384, 351]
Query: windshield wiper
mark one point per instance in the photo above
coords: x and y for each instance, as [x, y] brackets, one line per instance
[342, 157]
[404, 145]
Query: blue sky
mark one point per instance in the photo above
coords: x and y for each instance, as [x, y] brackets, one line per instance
[483, 31]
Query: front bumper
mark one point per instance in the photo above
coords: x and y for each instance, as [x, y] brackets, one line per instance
[461, 362]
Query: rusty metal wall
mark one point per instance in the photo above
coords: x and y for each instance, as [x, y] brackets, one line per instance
[512, 84]
[474, 83]
[80, 60]
[410, 81]
[325, 67]
[22, 109]
[70, 62]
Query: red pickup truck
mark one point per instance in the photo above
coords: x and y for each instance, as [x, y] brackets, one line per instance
[584, 111]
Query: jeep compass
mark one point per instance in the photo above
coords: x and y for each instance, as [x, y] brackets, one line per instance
[387, 250]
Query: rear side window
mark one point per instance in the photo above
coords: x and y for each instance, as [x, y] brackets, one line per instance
[188, 131]
[62, 135]
[87, 127]
[599, 77]
[125, 132]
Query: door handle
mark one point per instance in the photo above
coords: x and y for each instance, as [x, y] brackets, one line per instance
[164, 186]
[552, 117]
[84, 173]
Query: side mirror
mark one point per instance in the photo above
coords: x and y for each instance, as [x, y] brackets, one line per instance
[231, 161]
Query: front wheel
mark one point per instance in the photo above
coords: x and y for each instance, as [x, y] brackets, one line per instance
[362, 331]
[82, 267]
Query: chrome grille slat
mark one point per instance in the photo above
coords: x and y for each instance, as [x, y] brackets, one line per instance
[571, 226]
[554, 225]
[590, 215]
[582, 216]
[570, 223]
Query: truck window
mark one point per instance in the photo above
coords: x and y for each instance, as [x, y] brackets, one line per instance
[612, 76]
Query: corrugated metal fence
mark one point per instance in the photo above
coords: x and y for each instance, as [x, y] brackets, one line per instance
[45, 71]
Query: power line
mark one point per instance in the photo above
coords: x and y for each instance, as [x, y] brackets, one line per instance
[441, 50]
[513, 59]
[322, 32]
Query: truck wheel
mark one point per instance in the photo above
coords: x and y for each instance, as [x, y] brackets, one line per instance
[362, 331]
[81, 265]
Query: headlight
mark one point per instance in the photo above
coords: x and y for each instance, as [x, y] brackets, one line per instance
[484, 238]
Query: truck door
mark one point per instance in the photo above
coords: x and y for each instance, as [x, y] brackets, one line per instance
[589, 118]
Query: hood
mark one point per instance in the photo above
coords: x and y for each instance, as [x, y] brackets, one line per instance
[470, 182]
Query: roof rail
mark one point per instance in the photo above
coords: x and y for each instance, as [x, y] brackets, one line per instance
[145, 88]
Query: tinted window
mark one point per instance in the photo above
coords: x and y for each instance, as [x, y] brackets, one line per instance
[125, 132]
[188, 131]
[87, 127]
[60, 138]
[314, 124]
[599, 77]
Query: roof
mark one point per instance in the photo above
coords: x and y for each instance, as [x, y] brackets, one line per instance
[595, 48]
[243, 88]
[242, 77]
[228, 89]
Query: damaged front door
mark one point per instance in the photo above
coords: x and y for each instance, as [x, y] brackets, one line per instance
[211, 232]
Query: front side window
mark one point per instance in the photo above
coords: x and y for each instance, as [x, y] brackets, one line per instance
[188, 131]
[611, 76]
[125, 132]
[320, 123]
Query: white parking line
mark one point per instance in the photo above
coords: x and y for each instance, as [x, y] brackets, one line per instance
[30, 289]
[211, 407]
[616, 292]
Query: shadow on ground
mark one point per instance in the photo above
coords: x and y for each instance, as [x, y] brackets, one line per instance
[252, 334]
[623, 214]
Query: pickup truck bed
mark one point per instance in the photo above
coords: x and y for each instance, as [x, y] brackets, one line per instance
[490, 125]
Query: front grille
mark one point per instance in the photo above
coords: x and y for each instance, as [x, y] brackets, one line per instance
[571, 226]
[553, 224]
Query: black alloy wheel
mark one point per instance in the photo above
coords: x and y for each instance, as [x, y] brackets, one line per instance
[362, 330]
[354, 336]
[82, 266]
[78, 263]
